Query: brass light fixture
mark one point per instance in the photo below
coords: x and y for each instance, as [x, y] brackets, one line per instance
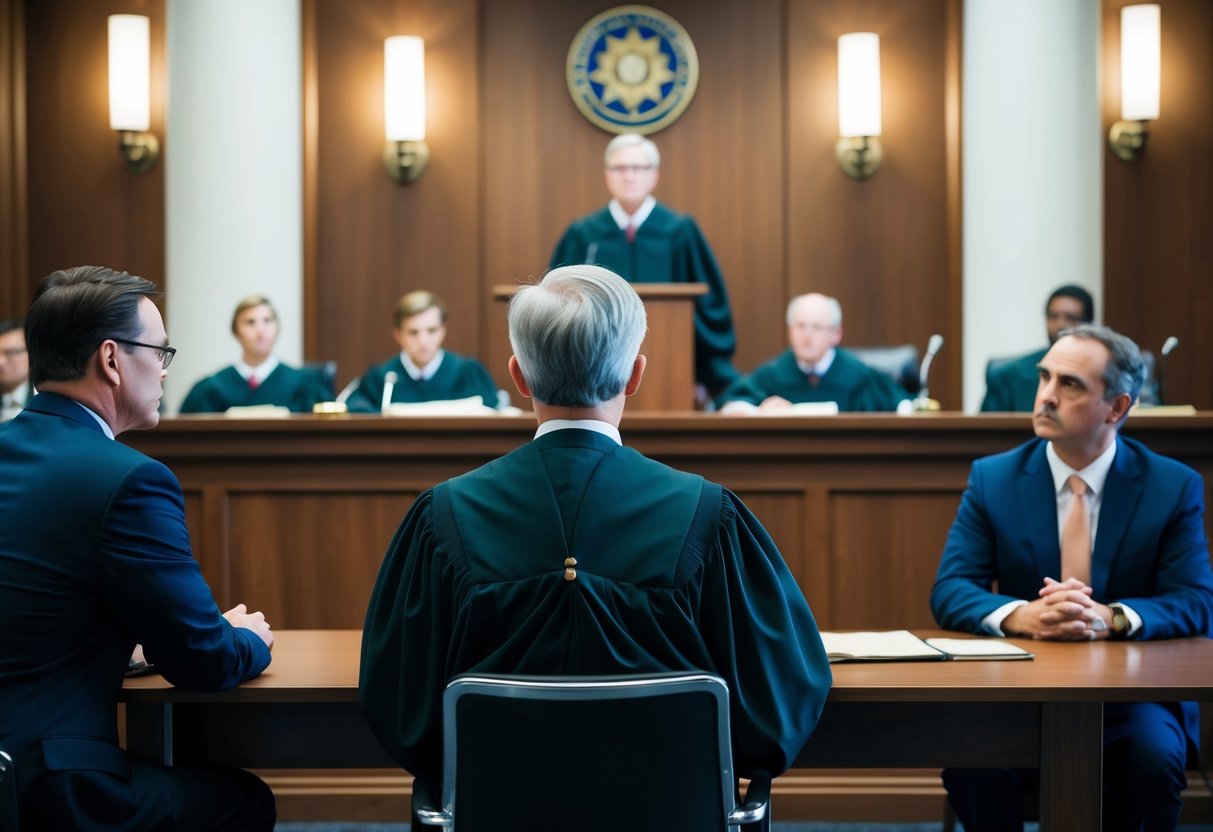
[406, 154]
[129, 90]
[858, 150]
[1140, 73]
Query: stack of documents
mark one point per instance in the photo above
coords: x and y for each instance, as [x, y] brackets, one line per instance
[904, 646]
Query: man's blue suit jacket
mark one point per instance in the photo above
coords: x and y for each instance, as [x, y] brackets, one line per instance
[1150, 551]
[94, 557]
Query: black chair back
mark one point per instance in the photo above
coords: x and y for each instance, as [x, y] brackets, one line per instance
[325, 372]
[589, 753]
[899, 363]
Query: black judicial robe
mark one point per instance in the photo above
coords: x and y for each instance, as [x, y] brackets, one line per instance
[673, 573]
[855, 386]
[1012, 387]
[286, 386]
[458, 377]
[669, 248]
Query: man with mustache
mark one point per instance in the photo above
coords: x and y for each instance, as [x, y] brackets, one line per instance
[1086, 535]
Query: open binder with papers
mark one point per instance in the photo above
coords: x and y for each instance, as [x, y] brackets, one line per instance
[904, 646]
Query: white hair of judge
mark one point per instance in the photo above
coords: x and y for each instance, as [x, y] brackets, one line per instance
[576, 335]
[632, 140]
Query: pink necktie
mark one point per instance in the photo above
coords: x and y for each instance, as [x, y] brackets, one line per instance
[253, 384]
[630, 233]
[1076, 535]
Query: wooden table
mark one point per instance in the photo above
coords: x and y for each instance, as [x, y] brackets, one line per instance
[303, 713]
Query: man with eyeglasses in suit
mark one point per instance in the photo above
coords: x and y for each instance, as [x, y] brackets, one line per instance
[15, 389]
[95, 558]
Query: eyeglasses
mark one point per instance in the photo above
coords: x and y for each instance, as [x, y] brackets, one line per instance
[11, 354]
[164, 353]
[619, 170]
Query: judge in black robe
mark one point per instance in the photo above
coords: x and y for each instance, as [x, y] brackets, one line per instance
[672, 572]
[643, 241]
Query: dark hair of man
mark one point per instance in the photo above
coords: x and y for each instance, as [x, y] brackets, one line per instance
[1126, 371]
[73, 311]
[1077, 293]
[9, 325]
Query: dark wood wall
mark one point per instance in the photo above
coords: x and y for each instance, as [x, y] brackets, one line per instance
[1158, 210]
[513, 161]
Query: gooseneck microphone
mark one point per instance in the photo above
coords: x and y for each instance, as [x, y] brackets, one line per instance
[389, 384]
[347, 391]
[924, 370]
[1160, 371]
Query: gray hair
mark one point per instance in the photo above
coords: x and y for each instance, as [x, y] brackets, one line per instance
[632, 140]
[1126, 371]
[833, 304]
[576, 334]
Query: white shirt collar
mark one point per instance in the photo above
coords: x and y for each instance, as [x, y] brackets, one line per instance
[261, 372]
[606, 429]
[17, 399]
[821, 367]
[421, 373]
[1094, 475]
[105, 427]
[635, 220]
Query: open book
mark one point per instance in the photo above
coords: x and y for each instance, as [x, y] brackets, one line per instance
[904, 646]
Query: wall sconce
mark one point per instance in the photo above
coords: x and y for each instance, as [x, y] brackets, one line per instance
[1140, 71]
[858, 150]
[130, 90]
[407, 154]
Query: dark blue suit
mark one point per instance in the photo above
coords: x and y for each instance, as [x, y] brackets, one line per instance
[1150, 553]
[95, 557]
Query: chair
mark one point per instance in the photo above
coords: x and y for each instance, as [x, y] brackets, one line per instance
[589, 753]
[8, 793]
[325, 372]
[899, 363]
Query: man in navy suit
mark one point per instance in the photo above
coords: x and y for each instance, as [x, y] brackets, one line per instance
[94, 558]
[1087, 535]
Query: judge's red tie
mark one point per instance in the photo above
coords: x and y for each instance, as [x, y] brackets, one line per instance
[630, 233]
[1076, 535]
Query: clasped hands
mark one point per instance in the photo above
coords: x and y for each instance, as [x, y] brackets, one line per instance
[1064, 611]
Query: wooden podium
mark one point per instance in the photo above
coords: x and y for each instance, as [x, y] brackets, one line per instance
[669, 378]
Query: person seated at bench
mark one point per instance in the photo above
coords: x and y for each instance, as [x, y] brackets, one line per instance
[814, 368]
[259, 378]
[423, 370]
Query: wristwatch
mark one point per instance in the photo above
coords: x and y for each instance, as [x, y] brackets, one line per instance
[1120, 621]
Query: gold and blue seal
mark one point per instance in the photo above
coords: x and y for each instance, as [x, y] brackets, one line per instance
[632, 69]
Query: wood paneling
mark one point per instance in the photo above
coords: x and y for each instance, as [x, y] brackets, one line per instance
[14, 285]
[293, 517]
[886, 247]
[375, 239]
[1158, 252]
[85, 207]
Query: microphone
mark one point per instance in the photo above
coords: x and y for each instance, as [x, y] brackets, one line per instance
[933, 347]
[347, 391]
[1168, 346]
[389, 384]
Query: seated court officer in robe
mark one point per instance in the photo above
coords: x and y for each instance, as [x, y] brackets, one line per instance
[425, 372]
[814, 368]
[15, 387]
[1012, 386]
[95, 557]
[1087, 535]
[259, 378]
[645, 242]
[671, 572]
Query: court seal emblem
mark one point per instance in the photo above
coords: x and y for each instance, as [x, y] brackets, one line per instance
[632, 69]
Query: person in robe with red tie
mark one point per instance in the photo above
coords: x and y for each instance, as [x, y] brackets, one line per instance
[1079, 535]
[814, 368]
[259, 378]
[643, 241]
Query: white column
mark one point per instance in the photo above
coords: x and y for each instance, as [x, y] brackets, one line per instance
[233, 178]
[1033, 186]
